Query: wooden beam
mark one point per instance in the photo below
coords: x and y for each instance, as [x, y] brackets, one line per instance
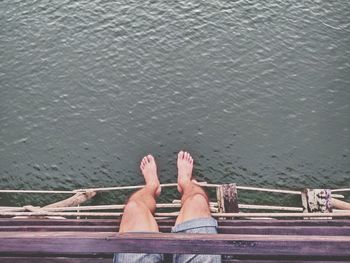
[90, 242]
[247, 230]
[55, 259]
[346, 214]
[171, 222]
[108, 259]
[340, 204]
[75, 200]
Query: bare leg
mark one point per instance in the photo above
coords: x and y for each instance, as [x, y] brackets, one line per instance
[138, 212]
[195, 203]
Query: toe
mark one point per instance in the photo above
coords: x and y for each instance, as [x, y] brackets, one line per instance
[144, 161]
[180, 155]
[150, 158]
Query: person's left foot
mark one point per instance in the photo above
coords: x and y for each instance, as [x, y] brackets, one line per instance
[149, 170]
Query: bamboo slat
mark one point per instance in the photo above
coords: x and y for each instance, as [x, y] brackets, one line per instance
[270, 207]
[340, 190]
[37, 191]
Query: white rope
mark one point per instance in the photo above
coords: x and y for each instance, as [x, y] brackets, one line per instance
[103, 189]
[203, 184]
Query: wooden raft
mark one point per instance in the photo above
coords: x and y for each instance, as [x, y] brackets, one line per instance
[318, 238]
[95, 240]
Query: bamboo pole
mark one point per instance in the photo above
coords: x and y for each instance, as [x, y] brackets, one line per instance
[31, 208]
[176, 201]
[174, 214]
[340, 190]
[75, 200]
[213, 206]
[277, 191]
[37, 191]
[203, 184]
[13, 209]
[270, 207]
[340, 204]
[104, 207]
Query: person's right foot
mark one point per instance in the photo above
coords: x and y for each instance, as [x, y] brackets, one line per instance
[149, 171]
[185, 167]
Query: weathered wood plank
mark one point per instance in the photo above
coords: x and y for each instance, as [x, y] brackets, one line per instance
[283, 230]
[230, 197]
[171, 222]
[53, 260]
[280, 260]
[109, 260]
[43, 222]
[248, 230]
[275, 222]
[87, 242]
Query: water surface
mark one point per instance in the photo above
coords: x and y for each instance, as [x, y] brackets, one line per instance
[257, 91]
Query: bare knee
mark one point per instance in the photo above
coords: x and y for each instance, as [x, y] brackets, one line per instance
[133, 206]
[194, 206]
[137, 217]
[198, 202]
[198, 198]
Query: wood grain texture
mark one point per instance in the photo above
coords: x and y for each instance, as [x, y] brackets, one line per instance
[109, 260]
[248, 230]
[171, 222]
[91, 242]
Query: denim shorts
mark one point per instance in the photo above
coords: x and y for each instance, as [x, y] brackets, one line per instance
[200, 225]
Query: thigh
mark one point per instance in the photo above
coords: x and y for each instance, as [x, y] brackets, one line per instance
[200, 225]
[137, 258]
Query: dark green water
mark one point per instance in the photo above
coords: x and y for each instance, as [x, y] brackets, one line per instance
[257, 91]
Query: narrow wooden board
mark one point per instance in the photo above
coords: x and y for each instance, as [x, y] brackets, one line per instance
[257, 245]
[171, 222]
[247, 230]
[109, 260]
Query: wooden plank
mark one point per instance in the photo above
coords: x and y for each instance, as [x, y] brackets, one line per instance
[275, 222]
[258, 245]
[171, 222]
[247, 230]
[345, 214]
[53, 260]
[36, 228]
[283, 230]
[31, 221]
[109, 260]
[280, 260]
